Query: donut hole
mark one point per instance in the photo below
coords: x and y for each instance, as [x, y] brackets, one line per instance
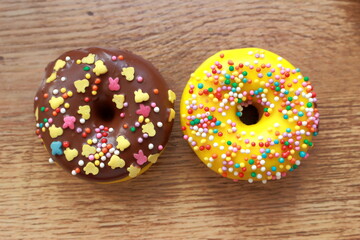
[105, 111]
[250, 114]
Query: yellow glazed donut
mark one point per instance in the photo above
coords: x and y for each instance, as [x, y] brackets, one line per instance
[249, 114]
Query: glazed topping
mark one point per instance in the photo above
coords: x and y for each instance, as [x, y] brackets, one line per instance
[264, 148]
[103, 114]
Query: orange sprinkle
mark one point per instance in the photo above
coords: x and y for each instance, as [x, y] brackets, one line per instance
[54, 113]
[97, 81]
[104, 150]
[121, 57]
[109, 146]
[94, 87]
[46, 95]
[125, 126]
[77, 170]
[156, 91]
[87, 130]
[65, 96]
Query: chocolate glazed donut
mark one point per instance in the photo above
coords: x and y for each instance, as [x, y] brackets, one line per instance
[103, 114]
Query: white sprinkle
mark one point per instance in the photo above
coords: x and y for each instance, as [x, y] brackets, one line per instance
[111, 150]
[94, 140]
[151, 146]
[51, 160]
[73, 172]
[111, 129]
[98, 149]
[276, 125]
[250, 52]
[250, 180]
[55, 91]
[67, 58]
[159, 124]
[264, 181]
[103, 158]
[116, 152]
[156, 109]
[47, 124]
[63, 79]
[82, 121]
[209, 165]
[103, 145]
[81, 163]
[259, 176]
[102, 165]
[63, 110]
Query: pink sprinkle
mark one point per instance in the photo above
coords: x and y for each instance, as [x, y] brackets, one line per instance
[122, 115]
[91, 157]
[160, 147]
[126, 104]
[140, 79]
[153, 104]
[140, 140]
[69, 122]
[98, 135]
[113, 58]
[114, 84]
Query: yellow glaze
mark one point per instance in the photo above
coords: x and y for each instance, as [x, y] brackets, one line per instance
[242, 77]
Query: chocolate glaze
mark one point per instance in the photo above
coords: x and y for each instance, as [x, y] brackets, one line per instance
[103, 109]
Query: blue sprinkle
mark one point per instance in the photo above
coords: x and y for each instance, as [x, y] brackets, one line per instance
[302, 154]
[56, 148]
[217, 123]
[269, 74]
[237, 165]
[263, 155]
[276, 141]
[281, 160]
[200, 85]
[273, 168]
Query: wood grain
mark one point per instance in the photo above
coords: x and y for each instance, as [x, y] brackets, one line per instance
[179, 198]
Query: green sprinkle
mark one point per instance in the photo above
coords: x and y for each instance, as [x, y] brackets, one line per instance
[231, 68]
[87, 68]
[210, 89]
[290, 99]
[42, 109]
[244, 73]
[277, 89]
[227, 81]
[253, 174]
[309, 104]
[210, 117]
[228, 142]
[251, 161]
[45, 120]
[306, 79]
[133, 129]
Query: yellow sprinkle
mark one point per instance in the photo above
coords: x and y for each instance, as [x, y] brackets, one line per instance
[70, 93]
[288, 167]
[206, 158]
[304, 146]
[66, 105]
[87, 76]
[97, 162]
[272, 151]
[281, 166]
[220, 170]
[78, 61]
[89, 141]
[94, 92]
[96, 156]
[141, 119]
[196, 148]
[265, 90]
[211, 131]
[228, 158]
[242, 164]
[63, 90]
[292, 151]
[203, 140]
[270, 110]
[101, 154]
[43, 129]
[233, 154]
[297, 127]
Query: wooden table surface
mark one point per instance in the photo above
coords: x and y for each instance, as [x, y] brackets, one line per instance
[179, 198]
